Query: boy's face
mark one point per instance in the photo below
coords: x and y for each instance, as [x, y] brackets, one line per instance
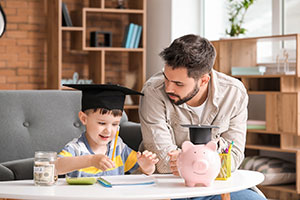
[100, 128]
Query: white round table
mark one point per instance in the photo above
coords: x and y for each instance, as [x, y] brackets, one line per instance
[167, 187]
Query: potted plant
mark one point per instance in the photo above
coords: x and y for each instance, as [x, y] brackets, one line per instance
[237, 11]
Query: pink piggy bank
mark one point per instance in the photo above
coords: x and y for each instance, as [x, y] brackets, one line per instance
[199, 164]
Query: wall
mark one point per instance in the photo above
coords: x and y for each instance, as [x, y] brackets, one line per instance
[159, 33]
[185, 18]
[23, 45]
[166, 21]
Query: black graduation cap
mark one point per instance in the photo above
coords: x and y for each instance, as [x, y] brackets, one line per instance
[200, 134]
[106, 96]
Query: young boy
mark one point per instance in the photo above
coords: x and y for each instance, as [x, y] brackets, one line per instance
[91, 153]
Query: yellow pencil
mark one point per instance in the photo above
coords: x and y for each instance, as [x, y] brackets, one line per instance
[115, 144]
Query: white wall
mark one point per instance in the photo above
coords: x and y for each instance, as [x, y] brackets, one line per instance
[158, 33]
[166, 21]
[185, 18]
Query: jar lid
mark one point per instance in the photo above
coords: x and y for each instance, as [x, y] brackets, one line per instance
[51, 155]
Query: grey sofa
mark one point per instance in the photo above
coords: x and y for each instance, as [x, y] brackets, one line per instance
[42, 120]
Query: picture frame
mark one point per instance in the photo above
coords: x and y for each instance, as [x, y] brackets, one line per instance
[100, 39]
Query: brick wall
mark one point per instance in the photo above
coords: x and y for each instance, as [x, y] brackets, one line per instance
[23, 45]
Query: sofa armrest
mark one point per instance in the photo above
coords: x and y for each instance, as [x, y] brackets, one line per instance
[6, 174]
[131, 134]
[22, 169]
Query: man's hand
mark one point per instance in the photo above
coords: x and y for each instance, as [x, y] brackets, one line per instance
[147, 161]
[102, 162]
[173, 161]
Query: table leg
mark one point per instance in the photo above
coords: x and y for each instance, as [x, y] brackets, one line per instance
[225, 196]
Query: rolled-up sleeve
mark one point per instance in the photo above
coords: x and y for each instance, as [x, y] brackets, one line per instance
[157, 133]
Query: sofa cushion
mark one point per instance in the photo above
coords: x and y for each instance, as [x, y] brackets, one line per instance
[276, 171]
[37, 120]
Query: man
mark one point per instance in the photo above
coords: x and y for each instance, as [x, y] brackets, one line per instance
[189, 91]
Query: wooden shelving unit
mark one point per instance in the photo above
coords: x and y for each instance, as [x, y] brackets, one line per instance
[277, 93]
[69, 48]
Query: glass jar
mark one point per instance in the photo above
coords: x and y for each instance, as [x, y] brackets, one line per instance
[44, 172]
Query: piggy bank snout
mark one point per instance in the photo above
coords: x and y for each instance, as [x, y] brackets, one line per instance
[200, 166]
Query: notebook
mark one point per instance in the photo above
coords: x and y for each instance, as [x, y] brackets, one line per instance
[125, 180]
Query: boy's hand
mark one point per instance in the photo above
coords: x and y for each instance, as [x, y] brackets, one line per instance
[102, 162]
[147, 161]
[173, 161]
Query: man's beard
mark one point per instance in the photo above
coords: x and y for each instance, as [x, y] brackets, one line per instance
[186, 98]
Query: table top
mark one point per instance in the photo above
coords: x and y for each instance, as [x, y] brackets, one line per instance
[166, 186]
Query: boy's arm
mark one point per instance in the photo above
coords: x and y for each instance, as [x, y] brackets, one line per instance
[68, 164]
[147, 161]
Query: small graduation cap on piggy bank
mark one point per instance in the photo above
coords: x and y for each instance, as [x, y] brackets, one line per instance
[199, 162]
[200, 134]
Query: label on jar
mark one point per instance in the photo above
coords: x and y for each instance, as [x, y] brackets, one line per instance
[44, 173]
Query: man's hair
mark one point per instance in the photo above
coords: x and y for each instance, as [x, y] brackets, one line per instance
[103, 111]
[192, 52]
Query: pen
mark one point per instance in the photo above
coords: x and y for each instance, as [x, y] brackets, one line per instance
[104, 182]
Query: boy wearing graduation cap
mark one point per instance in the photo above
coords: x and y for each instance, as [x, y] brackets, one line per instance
[92, 153]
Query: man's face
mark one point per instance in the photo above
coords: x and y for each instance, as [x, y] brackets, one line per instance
[179, 87]
[100, 128]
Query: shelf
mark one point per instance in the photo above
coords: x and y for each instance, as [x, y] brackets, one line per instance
[283, 188]
[112, 10]
[264, 76]
[270, 92]
[71, 28]
[116, 49]
[69, 48]
[262, 131]
[273, 97]
[262, 38]
[128, 107]
[271, 148]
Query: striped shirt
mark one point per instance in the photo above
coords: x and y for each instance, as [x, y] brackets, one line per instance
[125, 158]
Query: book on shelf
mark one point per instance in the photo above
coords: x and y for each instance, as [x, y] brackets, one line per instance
[126, 180]
[66, 19]
[132, 36]
[127, 35]
[138, 37]
[259, 70]
[256, 124]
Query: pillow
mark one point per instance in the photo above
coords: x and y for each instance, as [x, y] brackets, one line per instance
[276, 171]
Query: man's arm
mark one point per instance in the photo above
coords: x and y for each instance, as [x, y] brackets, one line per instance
[237, 132]
[157, 134]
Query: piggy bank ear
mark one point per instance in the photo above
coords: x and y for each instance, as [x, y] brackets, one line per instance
[212, 145]
[187, 145]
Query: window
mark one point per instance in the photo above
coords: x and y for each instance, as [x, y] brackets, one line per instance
[263, 18]
[291, 16]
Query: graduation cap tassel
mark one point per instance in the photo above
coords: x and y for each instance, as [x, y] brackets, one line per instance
[2, 21]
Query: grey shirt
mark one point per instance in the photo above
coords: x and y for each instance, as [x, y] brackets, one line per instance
[161, 120]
